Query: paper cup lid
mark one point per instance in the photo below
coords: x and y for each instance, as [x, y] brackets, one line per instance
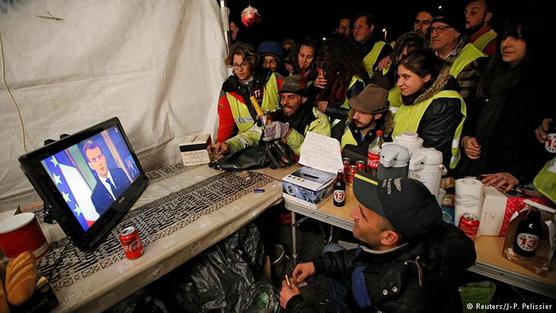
[14, 222]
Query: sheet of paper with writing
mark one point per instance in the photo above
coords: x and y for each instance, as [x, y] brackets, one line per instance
[321, 152]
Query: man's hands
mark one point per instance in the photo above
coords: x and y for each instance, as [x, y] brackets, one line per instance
[503, 181]
[322, 106]
[275, 130]
[299, 274]
[302, 271]
[287, 292]
[471, 147]
[220, 148]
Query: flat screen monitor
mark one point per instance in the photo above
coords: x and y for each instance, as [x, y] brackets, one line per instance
[88, 180]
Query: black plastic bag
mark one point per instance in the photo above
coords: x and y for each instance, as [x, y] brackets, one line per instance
[223, 278]
[274, 154]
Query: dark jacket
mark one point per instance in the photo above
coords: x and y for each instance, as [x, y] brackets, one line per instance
[393, 280]
[101, 197]
[442, 117]
[510, 106]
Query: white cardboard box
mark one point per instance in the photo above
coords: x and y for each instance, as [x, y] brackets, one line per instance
[313, 182]
[194, 149]
[494, 209]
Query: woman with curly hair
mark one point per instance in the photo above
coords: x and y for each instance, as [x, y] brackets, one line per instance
[341, 76]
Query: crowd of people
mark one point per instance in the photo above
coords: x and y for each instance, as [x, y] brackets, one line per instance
[475, 94]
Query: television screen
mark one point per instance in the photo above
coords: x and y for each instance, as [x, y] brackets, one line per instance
[88, 180]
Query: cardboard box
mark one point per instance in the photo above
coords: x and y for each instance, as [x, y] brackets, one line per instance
[194, 149]
[313, 182]
[308, 186]
[499, 209]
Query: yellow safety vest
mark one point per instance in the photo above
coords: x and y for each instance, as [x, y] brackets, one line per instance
[395, 98]
[485, 39]
[240, 110]
[468, 54]
[408, 118]
[347, 138]
[370, 59]
[545, 181]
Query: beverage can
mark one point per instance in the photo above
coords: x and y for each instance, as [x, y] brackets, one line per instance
[131, 242]
[347, 163]
[361, 166]
[550, 144]
[351, 173]
[469, 225]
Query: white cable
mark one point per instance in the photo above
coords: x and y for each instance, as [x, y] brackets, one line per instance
[11, 95]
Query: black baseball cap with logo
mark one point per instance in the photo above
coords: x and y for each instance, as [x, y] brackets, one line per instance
[406, 203]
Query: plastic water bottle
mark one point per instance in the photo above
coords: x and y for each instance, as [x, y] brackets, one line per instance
[373, 154]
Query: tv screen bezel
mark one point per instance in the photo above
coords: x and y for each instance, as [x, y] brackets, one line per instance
[89, 239]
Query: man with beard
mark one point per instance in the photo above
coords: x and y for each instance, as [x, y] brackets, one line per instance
[478, 15]
[296, 117]
[369, 113]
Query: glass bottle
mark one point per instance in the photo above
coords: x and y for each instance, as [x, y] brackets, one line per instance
[528, 234]
[339, 195]
[373, 154]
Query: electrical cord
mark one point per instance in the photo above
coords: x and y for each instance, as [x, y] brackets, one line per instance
[21, 124]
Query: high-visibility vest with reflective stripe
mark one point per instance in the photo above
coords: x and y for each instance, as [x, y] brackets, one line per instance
[240, 110]
[545, 181]
[485, 39]
[408, 117]
[370, 59]
[468, 54]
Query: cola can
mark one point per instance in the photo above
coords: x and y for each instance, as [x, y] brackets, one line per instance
[131, 242]
[469, 225]
[351, 173]
[361, 166]
[347, 163]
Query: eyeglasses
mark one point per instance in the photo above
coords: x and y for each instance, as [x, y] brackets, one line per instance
[237, 66]
[440, 29]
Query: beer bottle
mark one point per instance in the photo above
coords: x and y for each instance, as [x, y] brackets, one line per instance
[529, 232]
[339, 195]
[373, 154]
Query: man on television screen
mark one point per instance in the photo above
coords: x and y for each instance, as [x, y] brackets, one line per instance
[111, 182]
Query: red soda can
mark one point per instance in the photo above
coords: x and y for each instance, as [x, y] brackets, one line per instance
[351, 173]
[361, 166]
[469, 225]
[347, 163]
[131, 242]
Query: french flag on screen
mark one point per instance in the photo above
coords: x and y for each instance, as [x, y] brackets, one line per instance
[73, 187]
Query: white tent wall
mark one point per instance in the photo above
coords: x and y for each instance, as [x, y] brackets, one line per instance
[155, 64]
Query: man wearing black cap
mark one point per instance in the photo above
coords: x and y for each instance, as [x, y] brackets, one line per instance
[296, 117]
[368, 113]
[409, 259]
[449, 42]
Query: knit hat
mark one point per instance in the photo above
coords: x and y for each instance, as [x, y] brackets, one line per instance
[451, 17]
[292, 84]
[373, 99]
[406, 203]
[270, 48]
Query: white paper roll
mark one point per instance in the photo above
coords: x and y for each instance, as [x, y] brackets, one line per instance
[469, 198]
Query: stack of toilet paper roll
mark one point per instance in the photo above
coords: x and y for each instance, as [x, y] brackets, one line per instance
[469, 198]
